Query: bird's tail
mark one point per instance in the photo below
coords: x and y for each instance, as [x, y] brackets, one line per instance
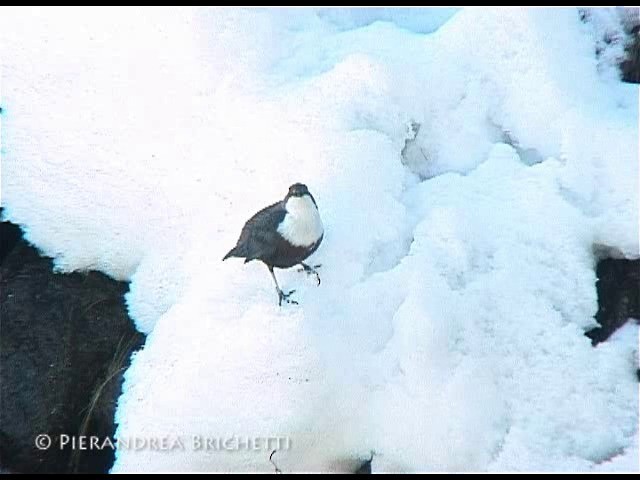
[232, 253]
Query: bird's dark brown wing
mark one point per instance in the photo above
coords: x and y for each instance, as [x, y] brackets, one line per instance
[259, 236]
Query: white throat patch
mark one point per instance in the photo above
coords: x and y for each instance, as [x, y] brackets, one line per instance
[301, 226]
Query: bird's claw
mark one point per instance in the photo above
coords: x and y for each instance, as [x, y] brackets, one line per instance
[311, 271]
[285, 296]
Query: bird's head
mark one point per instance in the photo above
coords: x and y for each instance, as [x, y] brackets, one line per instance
[298, 190]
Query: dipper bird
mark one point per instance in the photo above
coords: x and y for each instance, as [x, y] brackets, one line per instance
[282, 235]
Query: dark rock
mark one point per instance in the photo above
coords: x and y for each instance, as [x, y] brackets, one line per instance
[618, 296]
[630, 66]
[66, 340]
[365, 467]
[9, 236]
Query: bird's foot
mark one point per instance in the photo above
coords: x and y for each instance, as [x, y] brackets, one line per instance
[285, 296]
[310, 270]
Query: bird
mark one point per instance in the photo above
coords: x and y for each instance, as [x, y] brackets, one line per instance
[283, 235]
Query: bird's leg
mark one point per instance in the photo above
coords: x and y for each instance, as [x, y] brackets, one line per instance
[281, 295]
[310, 270]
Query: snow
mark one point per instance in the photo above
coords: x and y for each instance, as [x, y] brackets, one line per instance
[468, 167]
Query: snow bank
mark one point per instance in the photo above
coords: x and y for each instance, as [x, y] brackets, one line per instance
[464, 177]
[419, 20]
